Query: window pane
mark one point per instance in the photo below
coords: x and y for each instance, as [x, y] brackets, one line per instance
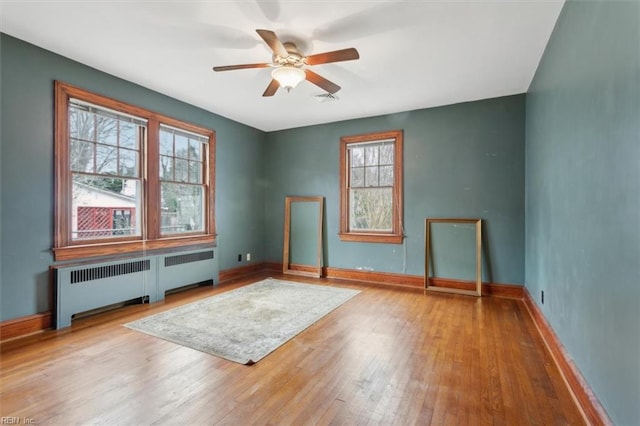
[195, 172]
[106, 160]
[182, 146]
[128, 135]
[107, 128]
[104, 207]
[371, 209]
[166, 168]
[386, 175]
[166, 143]
[128, 163]
[371, 155]
[121, 221]
[81, 156]
[386, 154]
[81, 124]
[195, 150]
[182, 170]
[357, 177]
[182, 208]
[357, 157]
[371, 176]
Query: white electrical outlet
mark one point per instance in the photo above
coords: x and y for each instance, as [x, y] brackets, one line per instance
[248, 257]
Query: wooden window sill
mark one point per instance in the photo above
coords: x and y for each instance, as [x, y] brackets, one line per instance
[371, 238]
[128, 247]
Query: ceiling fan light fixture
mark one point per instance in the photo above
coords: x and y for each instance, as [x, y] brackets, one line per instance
[288, 76]
[288, 63]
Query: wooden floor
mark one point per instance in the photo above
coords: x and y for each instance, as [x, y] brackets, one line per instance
[388, 356]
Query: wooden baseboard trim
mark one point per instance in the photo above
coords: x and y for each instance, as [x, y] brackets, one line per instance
[273, 266]
[23, 326]
[591, 408]
[304, 268]
[508, 291]
[387, 278]
[240, 272]
[347, 274]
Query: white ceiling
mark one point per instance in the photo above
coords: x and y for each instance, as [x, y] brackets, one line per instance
[413, 54]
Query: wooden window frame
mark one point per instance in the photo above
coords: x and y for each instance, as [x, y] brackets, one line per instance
[150, 239]
[396, 235]
[205, 176]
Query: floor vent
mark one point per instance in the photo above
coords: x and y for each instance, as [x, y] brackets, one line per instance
[187, 258]
[100, 272]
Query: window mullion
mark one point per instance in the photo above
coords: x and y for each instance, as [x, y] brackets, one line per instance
[95, 144]
[209, 159]
[152, 180]
[118, 168]
[173, 157]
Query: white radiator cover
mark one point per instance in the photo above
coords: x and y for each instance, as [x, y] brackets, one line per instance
[81, 288]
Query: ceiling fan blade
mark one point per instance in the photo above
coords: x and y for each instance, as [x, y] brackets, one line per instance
[272, 88]
[335, 56]
[321, 82]
[273, 42]
[241, 67]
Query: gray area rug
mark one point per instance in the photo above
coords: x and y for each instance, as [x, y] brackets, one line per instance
[246, 324]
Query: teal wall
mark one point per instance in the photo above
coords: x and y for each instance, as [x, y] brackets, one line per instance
[464, 160]
[26, 154]
[583, 196]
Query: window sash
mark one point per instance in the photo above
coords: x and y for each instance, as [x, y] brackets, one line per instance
[365, 212]
[182, 164]
[86, 195]
[366, 169]
[99, 143]
[177, 218]
[107, 112]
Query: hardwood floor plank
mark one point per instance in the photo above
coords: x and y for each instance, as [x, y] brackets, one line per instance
[387, 356]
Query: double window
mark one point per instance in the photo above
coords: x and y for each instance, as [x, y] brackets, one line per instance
[128, 179]
[371, 187]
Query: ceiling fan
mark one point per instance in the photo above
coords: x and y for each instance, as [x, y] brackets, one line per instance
[290, 64]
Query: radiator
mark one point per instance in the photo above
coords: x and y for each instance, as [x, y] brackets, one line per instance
[178, 270]
[81, 288]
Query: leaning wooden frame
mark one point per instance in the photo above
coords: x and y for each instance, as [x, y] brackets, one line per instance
[303, 270]
[427, 257]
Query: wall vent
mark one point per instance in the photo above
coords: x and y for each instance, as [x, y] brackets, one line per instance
[99, 272]
[187, 258]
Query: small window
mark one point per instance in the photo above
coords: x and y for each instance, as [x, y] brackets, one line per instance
[371, 187]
